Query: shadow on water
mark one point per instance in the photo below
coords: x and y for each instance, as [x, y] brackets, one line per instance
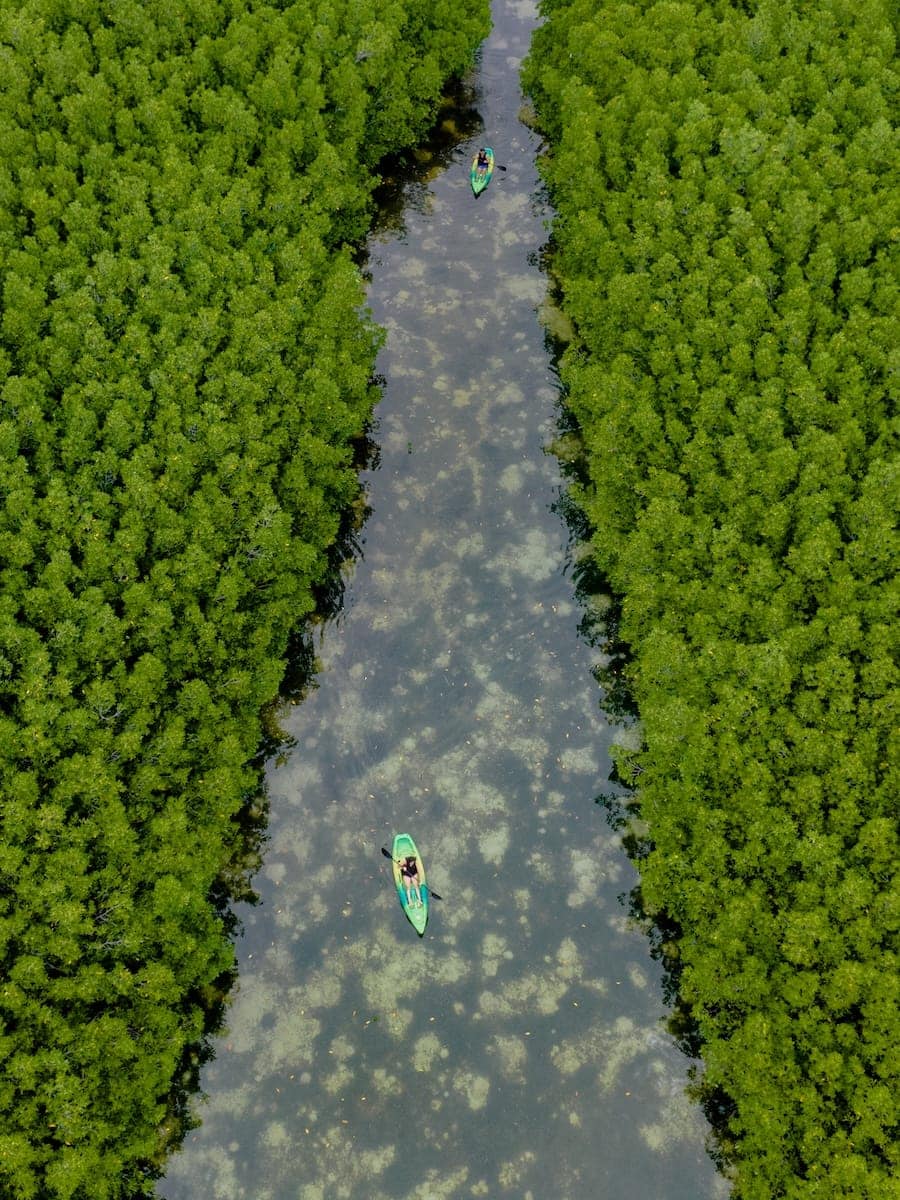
[601, 607]
[600, 628]
[301, 671]
[404, 186]
[405, 176]
[234, 885]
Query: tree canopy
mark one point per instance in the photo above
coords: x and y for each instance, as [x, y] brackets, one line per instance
[185, 364]
[725, 246]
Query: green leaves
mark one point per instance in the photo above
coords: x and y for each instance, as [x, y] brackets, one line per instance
[724, 246]
[185, 364]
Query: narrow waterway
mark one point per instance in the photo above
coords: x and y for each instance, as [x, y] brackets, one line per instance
[519, 1049]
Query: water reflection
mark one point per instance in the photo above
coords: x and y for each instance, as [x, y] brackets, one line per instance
[406, 176]
[519, 1049]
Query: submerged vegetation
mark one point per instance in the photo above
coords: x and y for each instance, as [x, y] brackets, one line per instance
[725, 181]
[184, 368]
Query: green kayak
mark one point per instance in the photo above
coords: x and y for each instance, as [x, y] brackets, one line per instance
[417, 913]
[481, 176]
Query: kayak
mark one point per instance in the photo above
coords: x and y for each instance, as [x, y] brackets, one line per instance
[481, 177]
[418, 916]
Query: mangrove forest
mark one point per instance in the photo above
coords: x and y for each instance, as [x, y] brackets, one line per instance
[185, 367]
[187, 370]
[725, 179]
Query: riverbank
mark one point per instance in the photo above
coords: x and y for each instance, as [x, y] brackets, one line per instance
[725, 238]
[184, 371]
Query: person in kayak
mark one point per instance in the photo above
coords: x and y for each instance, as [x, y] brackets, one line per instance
[409, 873]
[483, 161]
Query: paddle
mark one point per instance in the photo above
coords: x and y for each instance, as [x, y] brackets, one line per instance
[431, 892]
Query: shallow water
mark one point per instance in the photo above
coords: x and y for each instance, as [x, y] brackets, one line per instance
[519, 1049]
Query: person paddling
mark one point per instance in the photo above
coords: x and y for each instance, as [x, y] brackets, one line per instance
[409, 873]
[483, 161]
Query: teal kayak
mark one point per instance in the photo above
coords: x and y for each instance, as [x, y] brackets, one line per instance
[417, 913]
[481, 176]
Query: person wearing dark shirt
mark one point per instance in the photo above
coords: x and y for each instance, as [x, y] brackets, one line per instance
[409, 875]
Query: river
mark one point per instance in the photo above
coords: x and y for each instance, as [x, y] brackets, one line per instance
[520, 1048]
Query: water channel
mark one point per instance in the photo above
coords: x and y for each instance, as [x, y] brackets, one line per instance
[519, 1049]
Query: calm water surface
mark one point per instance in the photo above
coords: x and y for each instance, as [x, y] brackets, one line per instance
[518, 1049]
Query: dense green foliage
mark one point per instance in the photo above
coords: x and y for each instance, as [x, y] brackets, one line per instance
[184, 366]
[726, 182]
